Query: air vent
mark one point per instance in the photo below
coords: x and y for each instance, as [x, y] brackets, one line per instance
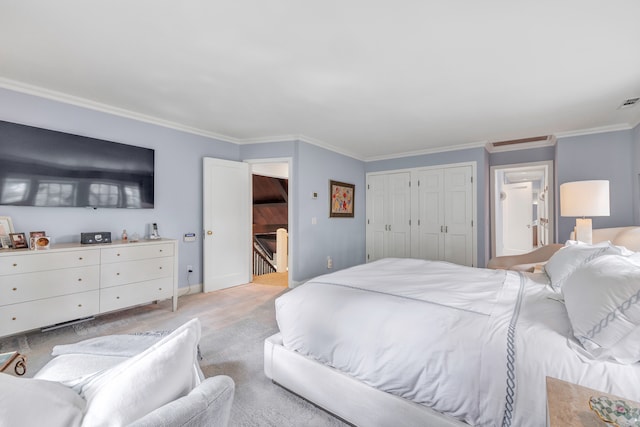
[629, 103]
[521, 144]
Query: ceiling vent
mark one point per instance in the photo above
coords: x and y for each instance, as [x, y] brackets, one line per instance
[629, 103]
[521, 144]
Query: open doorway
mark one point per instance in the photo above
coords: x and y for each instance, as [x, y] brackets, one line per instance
[521, 207]
[270, 195]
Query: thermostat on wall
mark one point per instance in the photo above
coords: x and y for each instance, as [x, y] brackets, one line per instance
[189, 237]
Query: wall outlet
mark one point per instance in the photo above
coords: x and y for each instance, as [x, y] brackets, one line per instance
[189, 268]
[329, 262]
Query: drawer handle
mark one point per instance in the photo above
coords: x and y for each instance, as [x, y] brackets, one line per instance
[160, 268]
[160, 250]
[80, 258]
[117, 254]
[159, 289]
[79, 305]
[117, 297]
[15, 289]
[117, 274]
[15, 265]
[13, 318]
[80, 279]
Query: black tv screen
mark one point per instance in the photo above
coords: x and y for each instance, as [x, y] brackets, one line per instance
[40, 167]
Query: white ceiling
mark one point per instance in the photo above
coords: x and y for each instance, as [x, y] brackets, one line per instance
[368, 78]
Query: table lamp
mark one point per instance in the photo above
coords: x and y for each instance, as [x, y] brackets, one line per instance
[582, 199]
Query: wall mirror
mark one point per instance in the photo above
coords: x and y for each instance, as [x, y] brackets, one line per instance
[521, 207]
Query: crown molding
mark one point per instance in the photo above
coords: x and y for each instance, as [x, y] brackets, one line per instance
[108, 109]
[434, 150]
[301, 138]
[596, 130]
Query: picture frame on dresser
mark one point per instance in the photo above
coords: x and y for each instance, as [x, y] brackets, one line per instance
[19, 240]
[6, 228]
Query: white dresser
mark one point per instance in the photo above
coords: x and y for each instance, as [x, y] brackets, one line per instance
[73, 281]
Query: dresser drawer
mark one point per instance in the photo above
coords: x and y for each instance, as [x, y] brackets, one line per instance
[35, 314]
[135, 271]
[46, 284]
[42, 261]
[135, 252]
[118, 297]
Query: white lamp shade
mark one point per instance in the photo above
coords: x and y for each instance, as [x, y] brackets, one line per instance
[584, 198]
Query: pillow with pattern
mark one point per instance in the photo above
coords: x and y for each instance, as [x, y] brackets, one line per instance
[603, 303]
[574, 255]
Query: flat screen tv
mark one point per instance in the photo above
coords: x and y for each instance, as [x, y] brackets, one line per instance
[40, 167]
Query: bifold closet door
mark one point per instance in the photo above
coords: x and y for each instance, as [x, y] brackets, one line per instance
[388, 216]
[443, 212]
[458, 214]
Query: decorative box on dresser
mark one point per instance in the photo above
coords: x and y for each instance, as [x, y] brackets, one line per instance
[73, 281]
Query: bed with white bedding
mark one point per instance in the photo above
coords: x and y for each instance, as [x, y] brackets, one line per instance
[414, 342]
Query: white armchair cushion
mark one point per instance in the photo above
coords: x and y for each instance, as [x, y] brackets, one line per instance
[603, 304]
[31, 402]
[145, 382]
[574, 255]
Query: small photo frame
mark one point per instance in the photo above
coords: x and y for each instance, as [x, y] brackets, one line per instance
[40, 243]
[341, 199]
[6, 228]
[33, 235]
[19, 240]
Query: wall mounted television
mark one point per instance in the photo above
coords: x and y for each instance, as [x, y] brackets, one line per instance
[40, 167]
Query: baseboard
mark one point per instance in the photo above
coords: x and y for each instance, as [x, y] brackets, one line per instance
[189, 290]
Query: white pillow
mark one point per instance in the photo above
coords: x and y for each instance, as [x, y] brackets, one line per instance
[145, 382]
[603, 303]
[29, 402]
[565, 261]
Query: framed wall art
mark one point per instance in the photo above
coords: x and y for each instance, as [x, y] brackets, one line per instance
[341, 199]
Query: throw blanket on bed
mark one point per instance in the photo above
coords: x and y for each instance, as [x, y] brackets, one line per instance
[471, 343]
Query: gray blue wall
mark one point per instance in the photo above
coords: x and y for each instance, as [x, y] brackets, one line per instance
[178, 183]
[609, 156]
[614, 156]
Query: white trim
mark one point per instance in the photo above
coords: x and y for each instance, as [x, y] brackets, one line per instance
[122, 112]
[591, 131]
[457, 147]
[550, 177]
[109, 109]
[196, 288]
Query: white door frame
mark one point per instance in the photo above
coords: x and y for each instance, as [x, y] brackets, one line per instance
[550, 202]
[292, 242]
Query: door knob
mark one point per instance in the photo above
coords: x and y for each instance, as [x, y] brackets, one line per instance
[209, 233]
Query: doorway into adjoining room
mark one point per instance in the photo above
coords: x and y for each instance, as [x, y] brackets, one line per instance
[521, 207]
[270, 223]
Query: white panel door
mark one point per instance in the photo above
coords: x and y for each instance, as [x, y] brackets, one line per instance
[388, 216]
[376, 219]
[226, 223]
[399, 215]
[458, 214]
[517, 217]
[429, 241]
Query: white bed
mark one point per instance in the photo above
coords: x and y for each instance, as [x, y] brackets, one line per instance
[412, 342]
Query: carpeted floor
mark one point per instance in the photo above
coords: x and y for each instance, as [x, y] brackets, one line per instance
[235, 323]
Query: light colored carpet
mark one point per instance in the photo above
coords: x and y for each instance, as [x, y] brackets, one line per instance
[235, 323]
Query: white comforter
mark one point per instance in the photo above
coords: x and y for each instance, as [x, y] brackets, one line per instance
[471, 343]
